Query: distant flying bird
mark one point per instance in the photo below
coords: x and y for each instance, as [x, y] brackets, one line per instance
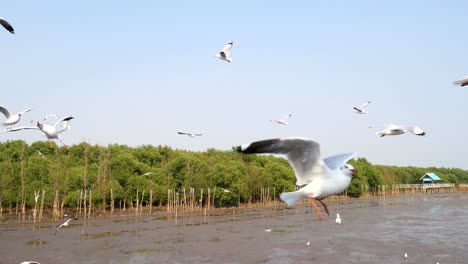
[50, 131]
[268, 230]
[190, 134]
[392, 130]
[461, 82]
[30, 262]
[11, 119]
[362, 109]
[49, 116]
[64, 224]
[7, 25]
[321, 177]
[406, 255]
[282, 121]
[338, 219]
[148, 173]
[226, 191]
[224, 54]
[40, 153]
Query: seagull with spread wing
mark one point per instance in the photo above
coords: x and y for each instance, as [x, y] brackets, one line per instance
[11, 119]
[392, 130]
[190, 134]
[225, 53]
[64, 224]
[50, 131]
[321, 177]
[7, 25]
[282, 121]
[362, 109]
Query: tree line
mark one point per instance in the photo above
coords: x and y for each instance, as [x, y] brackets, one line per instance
[121, 171]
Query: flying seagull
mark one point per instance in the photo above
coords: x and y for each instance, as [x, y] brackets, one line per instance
[7, 26]
[11, 119]
[30, 262]
[362, 109]
[282, 121]
[147, 174]
[461, 82]
[49, 116]
[224, 54]
[321, 177]
[391, 130]
[64, 224]
[40, 153]
[190, 134]
[50, 131]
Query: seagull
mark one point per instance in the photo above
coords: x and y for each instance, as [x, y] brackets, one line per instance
[406, 255]
[321, 177]
[148, 173]
[338, 219]
[308, 243]
[40, 153]
[30, 262]
[391, 130]
[11, 119]
[283, 121]
[267, 230]
[226, 190]
[7, 26]
[224, 54]
[461, 82]
[362, 109]
[50, 131]
[50, 115]
[64, 224]
[190, 134]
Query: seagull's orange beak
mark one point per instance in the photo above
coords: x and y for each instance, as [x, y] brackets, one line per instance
[354, 171]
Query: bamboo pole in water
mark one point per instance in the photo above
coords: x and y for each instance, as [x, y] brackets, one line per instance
[112, 202]
[90, 203]
[41, 209]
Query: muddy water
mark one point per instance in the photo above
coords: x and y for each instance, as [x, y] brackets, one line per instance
[429, 229]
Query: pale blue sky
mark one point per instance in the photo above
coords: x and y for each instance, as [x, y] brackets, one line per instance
[136, 72]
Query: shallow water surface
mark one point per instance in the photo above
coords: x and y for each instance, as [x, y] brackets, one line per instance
[429, 229]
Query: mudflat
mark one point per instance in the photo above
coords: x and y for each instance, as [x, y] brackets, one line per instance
[429, 228]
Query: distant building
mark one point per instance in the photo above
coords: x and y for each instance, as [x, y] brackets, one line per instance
[430, 178]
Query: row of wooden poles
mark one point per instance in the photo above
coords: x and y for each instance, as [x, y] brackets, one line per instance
[187, 200]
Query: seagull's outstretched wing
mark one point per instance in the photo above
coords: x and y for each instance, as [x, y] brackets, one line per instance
[227, 50]
[5, 112]
[303, 154]
[183, 133]
[64, 119]
[334, 162]
[7, 26]
[461, 82]
[198, 135]
[18, 129]
[415, 130]
[365, 105]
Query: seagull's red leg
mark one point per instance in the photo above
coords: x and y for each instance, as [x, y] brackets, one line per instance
[324, 206]
[317, 210]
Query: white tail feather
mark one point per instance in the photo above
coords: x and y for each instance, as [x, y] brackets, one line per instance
[292, 198]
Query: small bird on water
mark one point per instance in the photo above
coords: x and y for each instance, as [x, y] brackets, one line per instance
[338, 219]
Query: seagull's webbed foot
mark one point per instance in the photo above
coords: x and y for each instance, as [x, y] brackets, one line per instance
[324, 207]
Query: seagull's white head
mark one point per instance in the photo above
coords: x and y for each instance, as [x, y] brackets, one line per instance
[348, 170]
